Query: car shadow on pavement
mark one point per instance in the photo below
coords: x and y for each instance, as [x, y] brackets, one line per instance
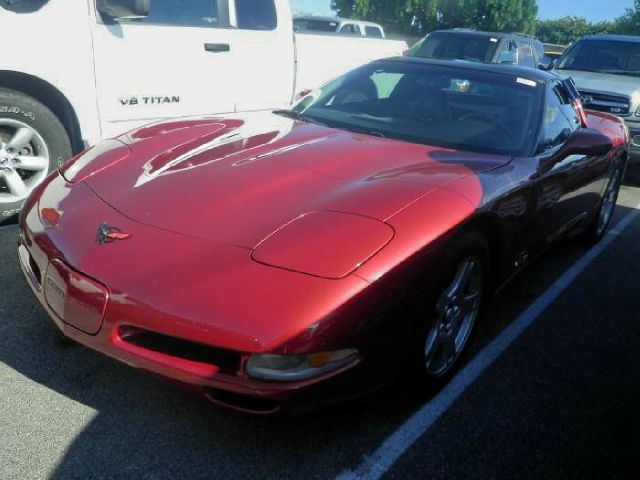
[146, 428]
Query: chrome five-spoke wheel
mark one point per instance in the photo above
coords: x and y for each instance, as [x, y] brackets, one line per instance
[24, 160]
[609, 202]
[457, 310]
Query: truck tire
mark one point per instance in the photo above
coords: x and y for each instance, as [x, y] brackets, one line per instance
[33, 143]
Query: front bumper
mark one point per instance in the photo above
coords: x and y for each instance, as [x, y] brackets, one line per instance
[116, 323]
[218, 374]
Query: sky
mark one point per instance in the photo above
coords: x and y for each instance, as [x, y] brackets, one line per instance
[594, 10]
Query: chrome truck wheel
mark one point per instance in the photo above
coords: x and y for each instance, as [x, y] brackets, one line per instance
[24, 160]
[33, 143]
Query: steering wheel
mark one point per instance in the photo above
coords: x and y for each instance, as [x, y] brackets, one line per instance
[490, 119]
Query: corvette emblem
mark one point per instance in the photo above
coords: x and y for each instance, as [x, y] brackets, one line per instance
[107, 234]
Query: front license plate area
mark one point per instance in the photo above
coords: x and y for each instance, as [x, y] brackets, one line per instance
[78, 300]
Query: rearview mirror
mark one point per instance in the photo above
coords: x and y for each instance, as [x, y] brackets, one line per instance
[585, 141]
[124, 8]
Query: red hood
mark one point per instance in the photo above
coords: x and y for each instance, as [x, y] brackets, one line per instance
[237, 180]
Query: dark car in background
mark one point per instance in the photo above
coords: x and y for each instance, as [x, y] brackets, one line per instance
[484, 47]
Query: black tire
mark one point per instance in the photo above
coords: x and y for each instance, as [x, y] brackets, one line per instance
[470, 245]
[23, 108]
[594, 232]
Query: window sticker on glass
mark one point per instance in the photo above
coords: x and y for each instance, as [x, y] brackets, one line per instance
[525, 81]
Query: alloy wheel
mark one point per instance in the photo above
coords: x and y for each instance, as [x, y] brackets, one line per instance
[24, 160]
[609, 202]
[457, 310]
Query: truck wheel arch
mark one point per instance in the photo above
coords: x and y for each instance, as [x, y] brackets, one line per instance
[51, 97]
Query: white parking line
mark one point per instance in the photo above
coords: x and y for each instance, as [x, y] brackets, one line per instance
[380, 462]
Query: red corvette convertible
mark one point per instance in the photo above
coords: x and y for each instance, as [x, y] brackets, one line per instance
[279, 259]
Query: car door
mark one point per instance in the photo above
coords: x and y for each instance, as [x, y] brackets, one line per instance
[263, 50]
[571, 188]
[175, 62]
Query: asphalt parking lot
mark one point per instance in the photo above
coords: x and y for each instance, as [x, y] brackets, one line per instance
[562, 400]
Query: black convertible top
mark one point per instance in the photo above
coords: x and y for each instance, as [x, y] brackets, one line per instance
[509, 70]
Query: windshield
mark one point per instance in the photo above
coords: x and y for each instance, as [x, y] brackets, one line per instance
[618, 58]
[437, 105]
[457, 46]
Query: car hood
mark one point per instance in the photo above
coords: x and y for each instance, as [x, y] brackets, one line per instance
[603, 82]
[238, 179]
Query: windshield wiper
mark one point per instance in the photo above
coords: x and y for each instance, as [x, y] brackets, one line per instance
[297, 116]
[373, 133]
[288, 113]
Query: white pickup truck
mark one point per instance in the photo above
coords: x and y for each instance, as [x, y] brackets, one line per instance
[91, 69]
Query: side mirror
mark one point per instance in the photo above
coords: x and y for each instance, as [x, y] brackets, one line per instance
[547, 64]
[124, 8]
[585, 141]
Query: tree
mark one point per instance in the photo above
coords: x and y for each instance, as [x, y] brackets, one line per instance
[629, 23]
[507, 15]
[567, 30]
[423, 16]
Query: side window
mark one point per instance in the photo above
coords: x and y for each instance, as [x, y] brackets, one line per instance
[525, 55]
[256, 14]
[508, 53]
[560, 119]
[182, 13]
[373, 32]
[350, 29]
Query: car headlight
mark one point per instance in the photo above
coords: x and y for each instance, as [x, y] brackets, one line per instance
[289, 368]
[324, 244]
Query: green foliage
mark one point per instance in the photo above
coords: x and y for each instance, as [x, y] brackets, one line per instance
[629, 23]
[423, 16]
[566, 30]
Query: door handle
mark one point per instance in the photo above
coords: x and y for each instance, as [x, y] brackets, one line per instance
[217, 47]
